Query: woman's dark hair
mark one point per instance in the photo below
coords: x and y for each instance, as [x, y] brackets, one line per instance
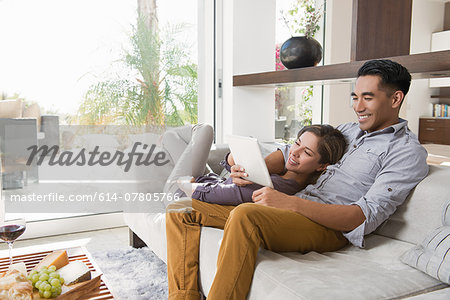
[331, 145]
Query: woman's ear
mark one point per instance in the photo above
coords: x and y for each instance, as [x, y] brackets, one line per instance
[322, 167]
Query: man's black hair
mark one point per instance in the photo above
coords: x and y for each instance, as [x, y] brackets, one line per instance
[393, 75]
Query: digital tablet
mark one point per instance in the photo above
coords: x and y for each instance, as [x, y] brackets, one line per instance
[246, 152]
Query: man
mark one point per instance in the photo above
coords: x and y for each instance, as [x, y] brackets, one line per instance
[383, 162]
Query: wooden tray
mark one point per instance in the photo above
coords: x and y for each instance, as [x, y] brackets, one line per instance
[76, 253]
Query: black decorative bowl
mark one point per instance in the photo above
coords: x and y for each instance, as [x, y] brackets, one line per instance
[300, 52]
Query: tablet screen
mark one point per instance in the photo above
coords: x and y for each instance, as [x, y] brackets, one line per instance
[246, 152]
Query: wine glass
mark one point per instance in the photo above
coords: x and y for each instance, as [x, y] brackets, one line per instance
[9, 231]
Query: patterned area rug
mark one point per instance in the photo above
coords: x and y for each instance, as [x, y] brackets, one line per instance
[134, 274]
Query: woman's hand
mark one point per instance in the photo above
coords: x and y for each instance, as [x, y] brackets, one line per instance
[273, 198]
[238, 173]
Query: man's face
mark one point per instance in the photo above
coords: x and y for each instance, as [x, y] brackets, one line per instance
[374, 107]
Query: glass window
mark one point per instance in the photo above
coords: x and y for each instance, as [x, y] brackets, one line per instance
[88, 61]
[93, 62]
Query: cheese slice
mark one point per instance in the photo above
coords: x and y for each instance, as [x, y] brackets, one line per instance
[57, 258]
[74, 272]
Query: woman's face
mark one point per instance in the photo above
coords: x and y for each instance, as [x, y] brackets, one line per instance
[304, 156]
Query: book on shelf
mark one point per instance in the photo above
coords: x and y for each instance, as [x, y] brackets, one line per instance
[440, 110]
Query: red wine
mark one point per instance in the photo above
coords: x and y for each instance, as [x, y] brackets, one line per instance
[10, 233]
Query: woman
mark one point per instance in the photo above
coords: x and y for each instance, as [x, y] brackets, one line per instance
[316, 147]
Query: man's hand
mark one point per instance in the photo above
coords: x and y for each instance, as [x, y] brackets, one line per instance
[273, 198]
[238, 173]
[334, 216]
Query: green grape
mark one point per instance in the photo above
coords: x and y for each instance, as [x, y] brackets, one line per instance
[42, 274]
[47, 282]
[44, 268]
[38, 284]
[44, 277]
[33, 272]
[34, 278]
[52, 268]
[47, 294]
[55, 282]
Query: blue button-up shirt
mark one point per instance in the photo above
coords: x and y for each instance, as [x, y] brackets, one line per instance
[377, 172]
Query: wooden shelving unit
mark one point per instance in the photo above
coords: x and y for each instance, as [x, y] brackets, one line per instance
[434, 131]
[422, 65]
[446, 97]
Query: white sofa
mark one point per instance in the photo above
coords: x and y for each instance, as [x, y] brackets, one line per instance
[374, 272]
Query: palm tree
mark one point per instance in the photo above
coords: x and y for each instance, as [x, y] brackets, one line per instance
[162, 86]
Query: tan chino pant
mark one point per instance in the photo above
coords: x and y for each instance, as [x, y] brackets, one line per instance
[246, 228]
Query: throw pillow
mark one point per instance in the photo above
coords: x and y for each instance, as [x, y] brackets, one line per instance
[432, 255]
[11, 108]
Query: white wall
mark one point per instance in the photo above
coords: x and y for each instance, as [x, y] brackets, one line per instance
[427, 17]
[336, 105]
[249, 47]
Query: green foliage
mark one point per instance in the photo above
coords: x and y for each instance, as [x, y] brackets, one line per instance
[306, 105]
[161, 88]
[303, 18]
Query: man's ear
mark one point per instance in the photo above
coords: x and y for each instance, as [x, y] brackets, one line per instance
[397, 99]
[322, 167]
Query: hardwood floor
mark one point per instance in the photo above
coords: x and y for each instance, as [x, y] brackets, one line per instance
[438, 154]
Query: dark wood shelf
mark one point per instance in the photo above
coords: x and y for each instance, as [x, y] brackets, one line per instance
[446, 97]
[422, 65]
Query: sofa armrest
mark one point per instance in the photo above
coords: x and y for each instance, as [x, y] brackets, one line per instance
[216, 155]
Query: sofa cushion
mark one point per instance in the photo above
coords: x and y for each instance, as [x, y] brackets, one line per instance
[371, 273]
[430, 256]
[420, 214]
[446, 214]
[11, 108]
